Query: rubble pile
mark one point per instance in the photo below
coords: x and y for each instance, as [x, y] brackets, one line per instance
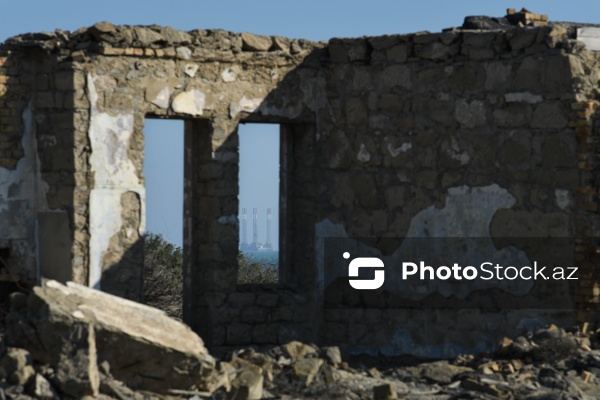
[74, 342]
[513, 18]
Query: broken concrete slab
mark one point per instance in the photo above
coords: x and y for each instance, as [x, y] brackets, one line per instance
[80, 323]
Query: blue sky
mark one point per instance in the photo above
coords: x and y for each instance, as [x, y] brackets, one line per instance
[309, 19]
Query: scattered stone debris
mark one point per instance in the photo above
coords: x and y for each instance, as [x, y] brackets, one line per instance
[72, 329]
[71, 342]
[512, 18]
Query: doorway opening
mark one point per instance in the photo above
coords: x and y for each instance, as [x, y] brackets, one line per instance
[259, 199]
[163, 241]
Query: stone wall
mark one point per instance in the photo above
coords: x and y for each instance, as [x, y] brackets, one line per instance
[39, 167]
[392, 136]
[425, 129]
[18, 173]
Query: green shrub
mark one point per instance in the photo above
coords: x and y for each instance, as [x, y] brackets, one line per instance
[163, 275]
[253, 271]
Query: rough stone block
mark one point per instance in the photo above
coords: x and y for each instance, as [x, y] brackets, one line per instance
[77, 368]
[283, 313]
[241, 300]
[64, 81]
[435, 51]
[42, 389]
[520, 39]
[63, 317]
[470, 115]
[358, 51]
[267, 300]
[335, 332]
[295, 350]
[281, 43]
[556, 153]
[332, 354]
[255, 42]
[396, 75]
[549, 116]
[337, 51]
[356, 111]
[512, 116]
[238, 333]
[17, 364]
[398, 53]
[248, 385]
[383, 42]
[385, 392]
[306, 369]
[255, 314]
[265, 334]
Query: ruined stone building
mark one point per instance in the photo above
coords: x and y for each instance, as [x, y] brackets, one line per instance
[468, 132]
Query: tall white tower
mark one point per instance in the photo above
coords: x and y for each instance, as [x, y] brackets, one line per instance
[269, 217]
[244, 226]
[255, 226]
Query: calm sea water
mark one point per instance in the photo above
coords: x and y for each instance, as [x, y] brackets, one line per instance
[263, 256]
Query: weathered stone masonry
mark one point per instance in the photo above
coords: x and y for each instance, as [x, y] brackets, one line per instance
[384, 136]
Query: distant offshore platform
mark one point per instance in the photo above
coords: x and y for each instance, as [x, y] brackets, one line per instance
[255, 245]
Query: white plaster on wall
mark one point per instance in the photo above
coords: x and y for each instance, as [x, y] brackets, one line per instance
[114, 175]
[363, 154]
[191, 102]
[468, 212]
[190, 70]
[24, 183]
[229, 75]
[562, 198]
[396, 151]
[522, 97]
[470, 115]
[184, 53]
[245, 104]
[162, 98]
[455, 153]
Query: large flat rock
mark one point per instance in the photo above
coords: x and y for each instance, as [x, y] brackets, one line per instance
[144, 347]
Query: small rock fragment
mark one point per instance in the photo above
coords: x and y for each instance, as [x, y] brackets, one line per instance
[306, 369]
[17, 364]
[295, 350]
[332, 354]
[248, 385]
[42, 389]
[384, 392]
